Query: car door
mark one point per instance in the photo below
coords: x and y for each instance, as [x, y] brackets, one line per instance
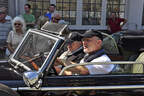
[119, 82]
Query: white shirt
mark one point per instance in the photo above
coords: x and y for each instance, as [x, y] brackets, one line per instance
[100, 69]
[14, 38]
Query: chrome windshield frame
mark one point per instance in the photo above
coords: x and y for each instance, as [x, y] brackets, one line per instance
[39, 32]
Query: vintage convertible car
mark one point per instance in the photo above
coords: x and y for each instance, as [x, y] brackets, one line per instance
[30, 70]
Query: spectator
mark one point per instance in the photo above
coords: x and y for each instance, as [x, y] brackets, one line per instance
[16, 35]
[51, 12]
[92, 44]
[115, 23]
[41, 21]
[75, 50]
[28, 17]
[57, 19]
[5, 27]
[8, 18]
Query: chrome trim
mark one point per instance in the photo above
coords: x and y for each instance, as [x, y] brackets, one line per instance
[57, 32]
[80, 88]
[15, 89]
[97, 63]
[31, 78]
[19, 64]
[45, 34]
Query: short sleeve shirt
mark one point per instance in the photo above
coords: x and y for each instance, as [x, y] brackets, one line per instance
[14, 39]
[100, 69]
[115, 25]
[29, 18]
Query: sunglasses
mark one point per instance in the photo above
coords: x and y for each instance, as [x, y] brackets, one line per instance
[17, 24]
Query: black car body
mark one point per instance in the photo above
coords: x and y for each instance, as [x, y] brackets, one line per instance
[41, 47]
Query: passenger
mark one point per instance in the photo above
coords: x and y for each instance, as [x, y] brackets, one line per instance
[16, 35]
[74, 51]
[92, 44]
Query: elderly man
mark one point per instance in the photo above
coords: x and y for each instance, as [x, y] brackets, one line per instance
[92, 44]
[57, 19]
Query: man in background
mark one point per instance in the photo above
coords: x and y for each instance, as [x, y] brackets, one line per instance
[8, 18]
[115, 23]
[51, 12]
[28, 17]
[5, 28]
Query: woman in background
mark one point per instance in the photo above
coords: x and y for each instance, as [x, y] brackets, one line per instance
[17, 33]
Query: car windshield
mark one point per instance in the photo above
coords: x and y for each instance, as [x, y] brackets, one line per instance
[34, 50]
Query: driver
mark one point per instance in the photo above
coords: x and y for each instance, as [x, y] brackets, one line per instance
[74, 51]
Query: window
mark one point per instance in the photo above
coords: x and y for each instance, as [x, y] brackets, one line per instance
[91, 12]
[82, 14]
[116, 6]
[67, 9]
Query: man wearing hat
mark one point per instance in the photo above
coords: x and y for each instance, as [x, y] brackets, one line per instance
[92, 46]
[75, 50]
[5, 27]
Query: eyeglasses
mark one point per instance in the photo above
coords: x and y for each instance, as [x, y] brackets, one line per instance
[17, 24]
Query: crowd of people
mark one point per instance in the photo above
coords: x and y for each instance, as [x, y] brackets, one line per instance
[13, 30]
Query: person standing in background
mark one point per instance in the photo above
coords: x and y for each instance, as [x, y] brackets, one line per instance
[16, 35]
[28, 17]
[5, 27]
[115, 23]
[51, 12]
[8, 18]
[46, 17]
[57, 19]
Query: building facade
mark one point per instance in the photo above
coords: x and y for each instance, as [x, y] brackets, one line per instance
[85, 14]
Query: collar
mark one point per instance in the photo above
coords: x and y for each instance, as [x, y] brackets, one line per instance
[90, 57]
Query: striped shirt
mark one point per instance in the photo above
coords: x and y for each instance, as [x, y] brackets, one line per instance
[5, 28]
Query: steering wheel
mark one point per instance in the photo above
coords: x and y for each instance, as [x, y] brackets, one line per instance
[30, 60]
